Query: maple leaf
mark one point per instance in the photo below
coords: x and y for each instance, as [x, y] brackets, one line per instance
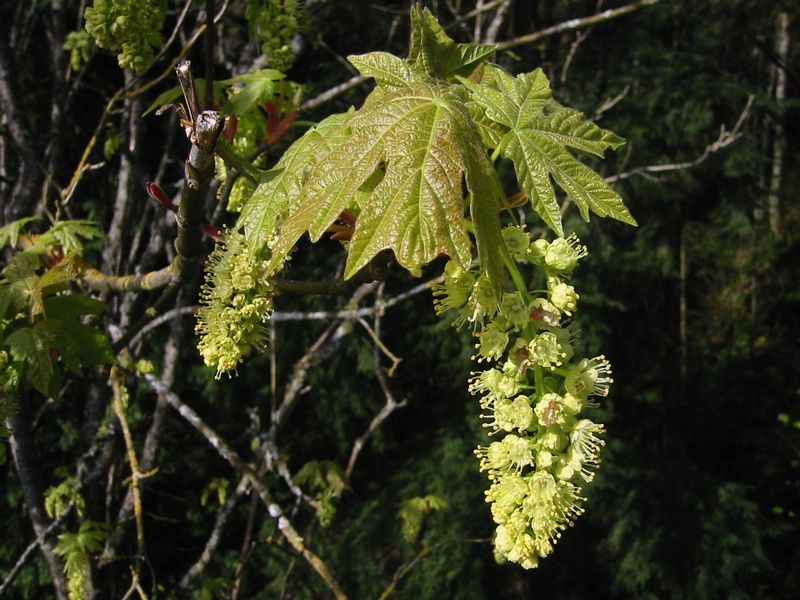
[518, 117]
[272, 199]
[421, 138]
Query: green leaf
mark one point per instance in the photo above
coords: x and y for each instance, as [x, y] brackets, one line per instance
[68, 235]
[23, 281]
[272, 199]
[534, 179]
[386, 69]
[79, 345]
[31, 345]
[58, 275]
[414, 510]
[434, 53]
[259, 86]
[72, 306]
[568, 127]
[9, 233]
[586, 188]
[417, 209]
[535, 133]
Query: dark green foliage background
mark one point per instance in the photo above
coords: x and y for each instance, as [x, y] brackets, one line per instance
[698, 495]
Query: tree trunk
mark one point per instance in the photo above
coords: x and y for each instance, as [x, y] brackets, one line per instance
[782, 39]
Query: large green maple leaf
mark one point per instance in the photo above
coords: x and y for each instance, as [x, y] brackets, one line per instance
[420, 138]
[518, 118]
[409, 163]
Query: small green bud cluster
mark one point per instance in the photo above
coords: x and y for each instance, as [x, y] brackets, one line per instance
[274, 22]
[467, 292]
[236, 304]
[129, 27]
[532, 396]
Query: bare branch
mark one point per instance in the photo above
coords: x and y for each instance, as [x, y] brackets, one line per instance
[497, 22]
[725, 139]
[332, 92]
[23, 453]
[133, 461]
[610, 103]
[274, 510]
[579, 23]
[216, 534]
[424, 553]
[388, 408]
[101, 282]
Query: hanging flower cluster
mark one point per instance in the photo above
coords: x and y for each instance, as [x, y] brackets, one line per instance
[532, 395]
[237, 301]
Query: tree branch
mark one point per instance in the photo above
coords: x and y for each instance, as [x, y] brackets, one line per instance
[23, 452]
[133, 461]
[332, 92]
[725, 139]
[274, 510]
[216, 535]
[571, 24]
[98, 281]
[375, 270]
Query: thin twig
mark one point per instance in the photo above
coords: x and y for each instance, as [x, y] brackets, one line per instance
[497, 22]
[379, 344]
[216, 535]
[133, 461]
[332, 92]
[388, 408]
[611, 103]
[725, 139]
[424, 553]
[281, 316]
[28, 552]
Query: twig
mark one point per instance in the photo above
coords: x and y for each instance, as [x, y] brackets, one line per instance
[82, 477]
[297, 381]
[611, 103]
[725, 139]
[497, 22]
[380, 345]
[282, 468]
[391, 404]
[101, 282]
[274, 510]
[164, 317]
[133, 461]
[247, 545]
[24, 455]
[478, 25]
[350, 314]
[216, 534]
[406, 568]
[578, 23]
[332, 92]
[388, 408]
[28, 552]
[282, 316]
[474, 13]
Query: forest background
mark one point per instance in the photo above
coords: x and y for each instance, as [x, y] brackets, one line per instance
[697, 308]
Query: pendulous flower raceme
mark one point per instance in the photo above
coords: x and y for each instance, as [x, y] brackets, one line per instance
[532, 393]
[237, 302]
